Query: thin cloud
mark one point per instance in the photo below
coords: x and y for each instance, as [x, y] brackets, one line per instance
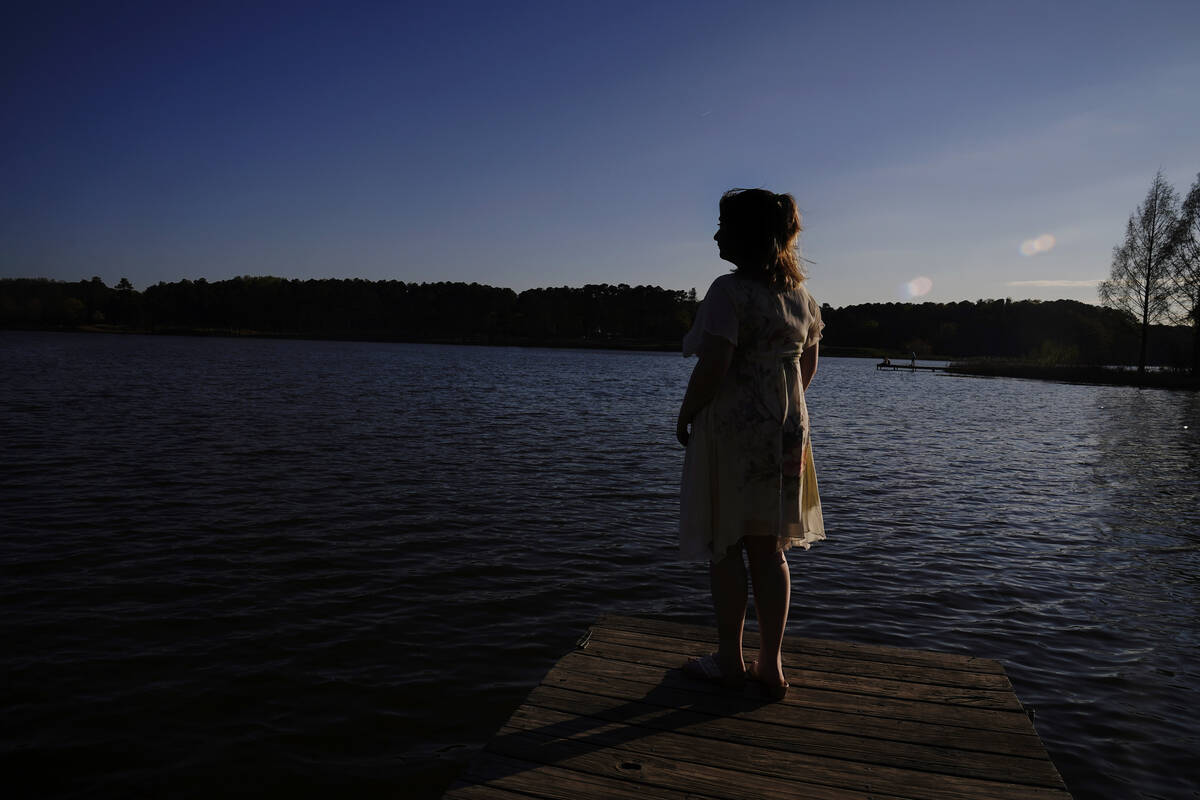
[1054, 283]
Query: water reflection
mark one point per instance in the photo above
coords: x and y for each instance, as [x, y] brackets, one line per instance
[293, 540]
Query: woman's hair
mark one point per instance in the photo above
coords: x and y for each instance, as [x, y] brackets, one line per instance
[767, 225]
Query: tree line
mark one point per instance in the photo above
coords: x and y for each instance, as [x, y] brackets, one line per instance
[622, 316]
[1055, 332]
[1052, 332]
[1155, 273]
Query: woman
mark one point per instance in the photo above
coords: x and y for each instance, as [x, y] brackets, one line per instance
[748, 479]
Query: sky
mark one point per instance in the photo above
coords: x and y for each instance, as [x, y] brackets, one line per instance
[938, 151]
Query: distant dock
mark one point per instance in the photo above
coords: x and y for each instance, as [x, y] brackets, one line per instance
[907, 367]
[616, 719]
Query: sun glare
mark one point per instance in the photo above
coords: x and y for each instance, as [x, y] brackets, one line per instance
[1042, 244]
[918, 286]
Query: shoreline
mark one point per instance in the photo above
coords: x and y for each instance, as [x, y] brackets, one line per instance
[481, 341]
[1158, 377]
[563, 343]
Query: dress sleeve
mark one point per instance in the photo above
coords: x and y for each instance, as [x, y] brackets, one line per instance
[815, 326]
[716, 315]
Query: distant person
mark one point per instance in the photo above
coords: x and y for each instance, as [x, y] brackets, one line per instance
[748, 478]
[887, 362]
[914, 359]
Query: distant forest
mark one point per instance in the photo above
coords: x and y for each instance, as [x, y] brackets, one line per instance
[643, 317]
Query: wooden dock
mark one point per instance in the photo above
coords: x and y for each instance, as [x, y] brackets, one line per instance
[908, 368]
[616, 719]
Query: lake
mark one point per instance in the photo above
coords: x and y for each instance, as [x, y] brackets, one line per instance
[246, 567]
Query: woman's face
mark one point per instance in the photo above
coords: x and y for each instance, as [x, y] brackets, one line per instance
[729, 245]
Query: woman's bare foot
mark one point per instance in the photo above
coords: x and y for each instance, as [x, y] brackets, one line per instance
[772, 680]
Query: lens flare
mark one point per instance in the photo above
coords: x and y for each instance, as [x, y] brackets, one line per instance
[1042, 244]
[918, 286]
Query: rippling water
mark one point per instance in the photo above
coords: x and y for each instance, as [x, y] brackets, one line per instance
[248, 567]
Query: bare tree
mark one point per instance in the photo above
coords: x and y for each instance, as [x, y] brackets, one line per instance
[1183, 253]
[1140, 283]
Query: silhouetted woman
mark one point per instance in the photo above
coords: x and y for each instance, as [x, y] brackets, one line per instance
[748, 478]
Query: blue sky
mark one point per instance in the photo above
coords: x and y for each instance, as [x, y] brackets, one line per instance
[563, 143]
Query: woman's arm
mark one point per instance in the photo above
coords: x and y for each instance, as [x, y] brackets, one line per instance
[715, 355]
[808, 365]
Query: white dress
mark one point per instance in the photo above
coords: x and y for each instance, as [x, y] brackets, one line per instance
[748, 470]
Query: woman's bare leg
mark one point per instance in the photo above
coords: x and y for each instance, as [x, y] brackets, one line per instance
[772, 597]
[728, 580]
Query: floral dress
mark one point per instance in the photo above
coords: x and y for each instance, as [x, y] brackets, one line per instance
[749, 469]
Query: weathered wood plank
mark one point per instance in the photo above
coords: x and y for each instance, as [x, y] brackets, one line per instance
[657, 773]
[657, 651]
[802, 673]
[942, 751]
[964, 713]
[714, 701]
[694, 752]
[799, 644]
[482, 791]
[536, 779]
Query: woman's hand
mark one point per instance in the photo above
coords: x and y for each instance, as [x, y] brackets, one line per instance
[808, 365]
[715, 356]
